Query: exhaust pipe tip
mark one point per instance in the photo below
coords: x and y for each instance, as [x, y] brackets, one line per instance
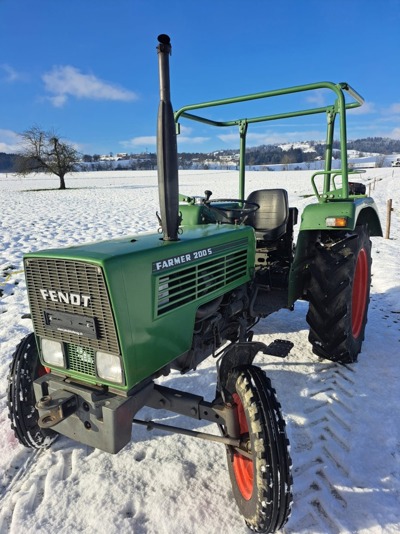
[164, 39]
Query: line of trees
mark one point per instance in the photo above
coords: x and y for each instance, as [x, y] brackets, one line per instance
[46, 152]
[380, 145]
[273, 154]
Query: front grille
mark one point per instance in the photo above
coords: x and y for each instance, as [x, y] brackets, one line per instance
[186, 285]
[81, 359]
[82, 280]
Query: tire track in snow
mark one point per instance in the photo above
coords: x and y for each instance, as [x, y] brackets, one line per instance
[16, 491]
[18, 470]
[321, 445]
[31, 481]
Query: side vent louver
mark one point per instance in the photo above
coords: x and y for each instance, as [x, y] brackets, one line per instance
[183, 286]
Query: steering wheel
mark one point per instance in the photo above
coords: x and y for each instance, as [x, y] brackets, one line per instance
[232, 214]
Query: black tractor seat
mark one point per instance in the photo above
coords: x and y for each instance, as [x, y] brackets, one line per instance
[270, 220]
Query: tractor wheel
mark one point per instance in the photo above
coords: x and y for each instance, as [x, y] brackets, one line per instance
[339, 297]
[25, 368]
[262, 483]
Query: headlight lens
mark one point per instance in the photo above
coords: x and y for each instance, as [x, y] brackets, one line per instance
[52, 352]
[109, 367]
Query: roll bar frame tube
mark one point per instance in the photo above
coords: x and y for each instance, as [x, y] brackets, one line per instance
[338, 107]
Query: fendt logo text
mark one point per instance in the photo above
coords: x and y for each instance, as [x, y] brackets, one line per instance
[76, 299]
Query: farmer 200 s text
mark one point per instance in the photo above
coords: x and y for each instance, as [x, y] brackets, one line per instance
[110, 318]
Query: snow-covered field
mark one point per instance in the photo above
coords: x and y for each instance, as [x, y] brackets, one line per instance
[343, 421]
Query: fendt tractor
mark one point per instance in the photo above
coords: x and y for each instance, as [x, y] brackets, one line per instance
[111, 317]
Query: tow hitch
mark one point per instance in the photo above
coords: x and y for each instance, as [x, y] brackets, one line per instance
[55, 408]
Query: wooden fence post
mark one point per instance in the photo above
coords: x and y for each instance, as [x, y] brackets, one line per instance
[389, 210]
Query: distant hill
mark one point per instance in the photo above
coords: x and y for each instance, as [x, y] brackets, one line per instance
[379, 145]
[289, 153]
[278, 154]
[7, 162]
[308, 151]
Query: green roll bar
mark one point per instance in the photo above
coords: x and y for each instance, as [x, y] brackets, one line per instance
[339, 106]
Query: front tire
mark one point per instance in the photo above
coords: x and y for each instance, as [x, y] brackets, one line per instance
[25, 368]
[338, 294]
[262, 483]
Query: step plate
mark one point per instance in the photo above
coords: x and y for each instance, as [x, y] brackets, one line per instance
[279, 348]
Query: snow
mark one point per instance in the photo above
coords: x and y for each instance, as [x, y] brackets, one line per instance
[304, 145]
[343, 421]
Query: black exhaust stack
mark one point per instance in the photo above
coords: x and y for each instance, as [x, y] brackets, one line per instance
[167, 151]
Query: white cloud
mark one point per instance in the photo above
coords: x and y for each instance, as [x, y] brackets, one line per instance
[151, 140]
[317, 98]
[9, 141]
[59, 100]
[66, 81]
[228, 138]
[395, 108]
[144, 140]
[11, 75]
[195, 140]
[395, 134]
[365, 109]
[187, 130]
[185, 136]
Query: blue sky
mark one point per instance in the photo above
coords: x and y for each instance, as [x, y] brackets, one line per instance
[88, 68]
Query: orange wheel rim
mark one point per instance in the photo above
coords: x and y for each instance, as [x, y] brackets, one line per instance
[243, 467]
[359, 295]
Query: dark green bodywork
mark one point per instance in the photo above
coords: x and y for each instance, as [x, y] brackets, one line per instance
[151, 335]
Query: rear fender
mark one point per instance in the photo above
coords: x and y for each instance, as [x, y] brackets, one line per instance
[313, 222]
[357, 211]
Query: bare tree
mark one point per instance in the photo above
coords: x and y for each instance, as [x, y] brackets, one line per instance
[45, 152]
[380, 160]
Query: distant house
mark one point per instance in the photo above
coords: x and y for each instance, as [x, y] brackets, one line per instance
[396, 163]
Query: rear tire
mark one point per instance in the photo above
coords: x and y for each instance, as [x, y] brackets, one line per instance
[339, 297]
[25, 368]
[261, 485]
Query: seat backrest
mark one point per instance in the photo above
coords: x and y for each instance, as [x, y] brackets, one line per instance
[270, 220]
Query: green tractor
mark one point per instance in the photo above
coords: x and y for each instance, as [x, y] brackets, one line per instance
[111, 317]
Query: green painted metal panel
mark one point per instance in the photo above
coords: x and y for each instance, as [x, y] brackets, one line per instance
[192, 213]
[150, 335]
[314, 215]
